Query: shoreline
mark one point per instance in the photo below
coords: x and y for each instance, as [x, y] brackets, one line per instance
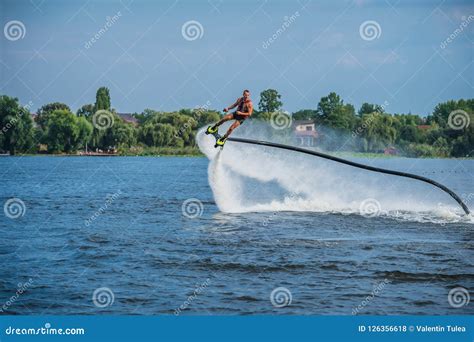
[200, 155]
[105, 155]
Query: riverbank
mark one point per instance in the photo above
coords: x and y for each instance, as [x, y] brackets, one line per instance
[194, 152]
[161, 151]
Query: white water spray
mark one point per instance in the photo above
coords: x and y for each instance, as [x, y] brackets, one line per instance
[247, 178]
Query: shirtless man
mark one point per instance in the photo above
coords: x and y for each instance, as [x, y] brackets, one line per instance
[244, 110]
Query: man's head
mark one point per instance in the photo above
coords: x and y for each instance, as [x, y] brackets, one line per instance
[246, 94]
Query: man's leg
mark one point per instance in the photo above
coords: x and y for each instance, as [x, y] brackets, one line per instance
[224, 119]
[231, 128]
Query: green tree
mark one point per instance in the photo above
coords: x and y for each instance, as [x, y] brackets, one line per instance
[118, 135]
[169, 129]
[44, 112]
[442, 147]
[62, 131]
[421, 150]
[463, 145]
[368, 108]
[410, 133]
[204, 117]
[145, 115]
[305, 114]
[102, 99]
[95, 140]
[433, 134]
[159, 135]
[441, 111]
[334, 113]
[269, 101]
[461, 138]
[328, 105]
[16, 126]
[86, 110]
[379, 131]
[85, 132]
[184, 127]
[409, 119]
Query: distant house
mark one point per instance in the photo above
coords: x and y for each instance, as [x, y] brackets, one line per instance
[305, 132]
[424, 127]
[129, 118]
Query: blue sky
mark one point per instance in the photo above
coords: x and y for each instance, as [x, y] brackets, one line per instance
[146, 61]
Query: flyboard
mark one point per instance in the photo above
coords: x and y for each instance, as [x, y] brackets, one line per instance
[215, 135]
[347, 162]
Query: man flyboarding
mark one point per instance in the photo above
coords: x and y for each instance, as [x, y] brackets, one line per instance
[244, 110]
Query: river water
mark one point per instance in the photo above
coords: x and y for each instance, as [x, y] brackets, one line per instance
[147, 236]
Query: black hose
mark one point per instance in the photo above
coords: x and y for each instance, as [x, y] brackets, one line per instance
[360, 166]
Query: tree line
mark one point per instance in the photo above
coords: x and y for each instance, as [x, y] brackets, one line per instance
[447, 132]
